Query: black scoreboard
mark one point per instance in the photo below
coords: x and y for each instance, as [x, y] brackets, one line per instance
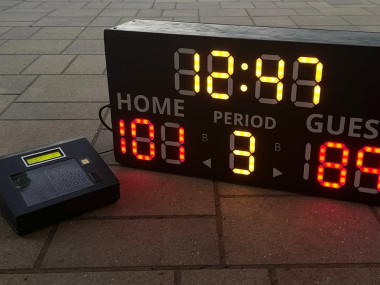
[287, 109]
[47, 184]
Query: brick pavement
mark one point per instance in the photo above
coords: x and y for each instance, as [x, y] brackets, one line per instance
[166, 229]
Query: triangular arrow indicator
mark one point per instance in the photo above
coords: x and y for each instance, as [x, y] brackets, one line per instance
[207, 162]
[276, 172]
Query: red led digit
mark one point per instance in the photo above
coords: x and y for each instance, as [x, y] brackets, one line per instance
[122, 133]
[136, 139]
[179, 143]
[334, 165]
[123, 146]
[364, 169]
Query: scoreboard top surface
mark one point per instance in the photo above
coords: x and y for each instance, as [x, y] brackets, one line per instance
[250, 32]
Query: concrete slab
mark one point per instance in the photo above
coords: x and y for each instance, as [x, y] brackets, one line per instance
[226, 276]
[328, 276]
[14, 64]
[64, 21]
[52, 111]
[148, 193]
[67, 88]
[57, 33]
[19, 252]
[87, 64]
[49, 64]
[34, 46]
[86, 47]
[93, 33]
[19, 33]
[146, 242]
[227, 189]
[5, 101]
[26, 134]
[88, 278]
[15, 84]
[298, 230]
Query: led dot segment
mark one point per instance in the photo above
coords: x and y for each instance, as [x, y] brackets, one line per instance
[243, 88]
[244, 66]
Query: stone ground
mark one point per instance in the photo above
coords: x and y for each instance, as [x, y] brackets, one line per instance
[165, 229]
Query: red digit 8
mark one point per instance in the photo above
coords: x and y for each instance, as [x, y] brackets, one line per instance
[136, 139]
[334, 165]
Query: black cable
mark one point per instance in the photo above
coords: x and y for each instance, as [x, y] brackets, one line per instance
[101, 117]
[106, 151]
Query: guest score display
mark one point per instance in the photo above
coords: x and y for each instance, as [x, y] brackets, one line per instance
[288, 109]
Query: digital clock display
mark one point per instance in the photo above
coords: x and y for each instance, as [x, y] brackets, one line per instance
[286, 109]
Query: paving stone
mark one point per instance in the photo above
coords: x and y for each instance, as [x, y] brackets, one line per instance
[146, 193]
[136, 5]
[51, 111]
[14, 84]
[89, 278]
[363, 20]
[14, 64]
[374, 10]
[104, 141]
[277, 21]
[93, 33]
[319, 20]
[96, 5]
[270, 12]
[164, 5]
[49, 64]
[186, 19]
[34, 46]
[225, 276]
[293, 4]
[105, 21]
[320, 4]
[57, 33]
[18, 17]
[228, 189]
[26, 134]
[86, 47]
[4, 29]
[119, 12]
[344, 11]
[328, 276]
[144, 242]
[180, 13]
[375, 29]
[307, 11]
[61, 5]
[227, 20]
[75, 13]
[8, 3]
[265, 4]
[64, 21]
[16, 24]
[67, 88]
[19, 33]
[298, 230]
[198, 5]
[223, 13]
[5, 101]
[16, 251]
[149, 13]
[28, 10]
[27, 5]
[87, 64]
[228, 5]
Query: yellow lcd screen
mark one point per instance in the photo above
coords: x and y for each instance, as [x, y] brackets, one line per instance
[36, 159]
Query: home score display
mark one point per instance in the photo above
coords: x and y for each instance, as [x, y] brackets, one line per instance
[287, 109]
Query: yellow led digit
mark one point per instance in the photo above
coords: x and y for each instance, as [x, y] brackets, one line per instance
[311, 83]
[245, 153]
[186, 72]
[269, 79]
[220, 75]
